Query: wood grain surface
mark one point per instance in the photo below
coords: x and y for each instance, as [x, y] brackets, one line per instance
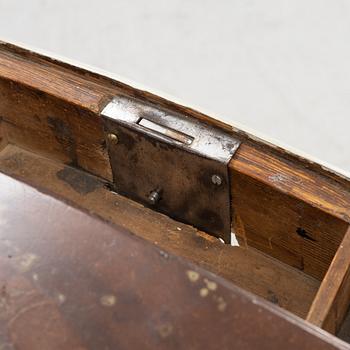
[53, 109]
[283, 205]
[332, 301]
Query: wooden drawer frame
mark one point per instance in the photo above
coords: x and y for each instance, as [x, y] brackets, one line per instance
[289, 213]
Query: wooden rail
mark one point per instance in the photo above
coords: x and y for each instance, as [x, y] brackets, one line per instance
[333, 297]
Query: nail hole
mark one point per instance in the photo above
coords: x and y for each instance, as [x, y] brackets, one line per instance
[304, 234]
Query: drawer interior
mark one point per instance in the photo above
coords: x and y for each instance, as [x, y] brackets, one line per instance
[247, 267]
[290, 216]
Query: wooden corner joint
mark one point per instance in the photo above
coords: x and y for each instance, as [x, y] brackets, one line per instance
[333, 297]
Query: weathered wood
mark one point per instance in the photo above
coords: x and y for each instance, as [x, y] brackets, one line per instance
[286, 210]
[246, 267]
[284, 205]
[333, 298]
[80, 283]
[53, 128]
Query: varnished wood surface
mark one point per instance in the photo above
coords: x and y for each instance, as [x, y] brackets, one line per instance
[333, 298]
[80, 283]
[285, 206]
[246, 267]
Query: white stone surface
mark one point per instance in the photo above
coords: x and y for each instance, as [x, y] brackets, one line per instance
[279, 67]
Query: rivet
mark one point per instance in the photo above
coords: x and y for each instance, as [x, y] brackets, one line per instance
[216, 180]
[112, 138]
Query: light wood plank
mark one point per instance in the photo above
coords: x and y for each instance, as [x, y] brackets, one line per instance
[333, 298]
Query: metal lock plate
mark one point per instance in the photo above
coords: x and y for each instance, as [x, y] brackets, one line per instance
[171, 162]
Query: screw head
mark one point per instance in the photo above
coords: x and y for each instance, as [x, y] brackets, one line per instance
[154, 197]
[112, 138]
[216, 180]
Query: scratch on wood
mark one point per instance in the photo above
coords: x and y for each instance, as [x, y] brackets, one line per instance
[26, 309]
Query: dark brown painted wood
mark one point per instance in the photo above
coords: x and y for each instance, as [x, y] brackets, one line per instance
[80, 283]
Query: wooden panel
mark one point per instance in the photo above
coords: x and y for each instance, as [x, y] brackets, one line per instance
[53, 128]
[247, 268]
[55, 80]
[333, 298]
[286, 211]
[288, 176]
[71, 281]
[284, 205]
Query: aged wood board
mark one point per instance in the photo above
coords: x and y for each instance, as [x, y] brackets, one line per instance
[290, 215]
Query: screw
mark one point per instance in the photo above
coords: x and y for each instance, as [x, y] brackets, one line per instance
[154, 196]
[112, 138]
[216, 180]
